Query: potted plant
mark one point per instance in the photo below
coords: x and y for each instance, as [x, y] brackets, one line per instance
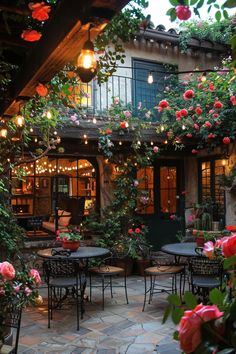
[70, 239]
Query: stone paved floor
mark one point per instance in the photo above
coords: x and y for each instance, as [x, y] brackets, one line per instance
[120, 328]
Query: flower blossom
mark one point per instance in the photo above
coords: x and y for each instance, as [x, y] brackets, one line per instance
[229, 246]
[127, 114]
[183, 112]
[190, 325]
[40, 11]
[226, 140]
[7, 270]
[183, 12]
[188, 95]
[124, 125]
[198, 110]
[41, 90]
[31, 35]
[116, 100]
[218, 105]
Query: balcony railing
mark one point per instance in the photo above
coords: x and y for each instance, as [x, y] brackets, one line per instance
[137, 95]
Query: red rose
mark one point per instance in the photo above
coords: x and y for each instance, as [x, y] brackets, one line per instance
[226, 140]
[142, 226]
[188, 95]
[231, 228]
[207, 124]
[41, 90]
[229, 246]
[123, 125]
[218, 122]
[183, 112]
[189, 135]
[233, 100]
[130, 231]
[211, 136]
[198, 110]
[163, 104]
[194, 152]
[196, 126]
[183, 12]
[137, 230]
[31, 35]
[177, 114]
[108, 131]
[218, 105]
[215, 115]
[40, 11]
[211, 86]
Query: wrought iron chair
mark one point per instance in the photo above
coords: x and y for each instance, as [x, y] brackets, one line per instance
[162, 267]
[13, 321]
[106, 272]
[64, 277]
[205, 274]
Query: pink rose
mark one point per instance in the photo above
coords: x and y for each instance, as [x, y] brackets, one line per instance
[229, 246]
[116, 100]
[155, 149]
[190, 325]
[127, 114]
[35, 275]
[173, 217]
[137, 230]
[7, 270]
[27, 291]
[226, 140]
[207, 124]
[208, 249]
[136, 183]
[183, 12]
[130, 231]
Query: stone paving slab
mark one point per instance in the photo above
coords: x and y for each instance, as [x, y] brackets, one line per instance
[120, 329]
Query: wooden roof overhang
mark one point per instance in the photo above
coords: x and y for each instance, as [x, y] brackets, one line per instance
[62, 39]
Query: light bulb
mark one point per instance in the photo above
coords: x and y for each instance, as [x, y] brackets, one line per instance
[203, 77]
[20, 121]
[49, 115]
[150, 78]
[3, 133]
[87, 63]
[94, 120]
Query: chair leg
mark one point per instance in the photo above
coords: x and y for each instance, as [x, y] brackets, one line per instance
[145, 291]
[103, 290]
[49, 306]
[77, 305]
[152, 286]
[125, 284]
[111, 286]
[90, 287]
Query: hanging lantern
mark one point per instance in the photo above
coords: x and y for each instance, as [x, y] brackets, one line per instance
[19, 121]
[87, 63]
[150, 78]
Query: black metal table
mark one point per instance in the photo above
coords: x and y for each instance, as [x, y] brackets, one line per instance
[185, 249]
[83, 253]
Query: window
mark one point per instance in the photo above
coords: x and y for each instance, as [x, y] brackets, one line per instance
[145, 202]
[168, 189]
[210, 170]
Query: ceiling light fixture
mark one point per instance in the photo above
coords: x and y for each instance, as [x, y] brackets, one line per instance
[86, 62]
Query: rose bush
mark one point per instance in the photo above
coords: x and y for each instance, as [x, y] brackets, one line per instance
[18, 288]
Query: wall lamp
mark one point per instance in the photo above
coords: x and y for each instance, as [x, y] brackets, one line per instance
[86, 62]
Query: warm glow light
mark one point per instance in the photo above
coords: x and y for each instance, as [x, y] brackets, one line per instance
[3, 133]
[150, 78]
[203, 77]
[162, 128]
[87, 63]
[224, 162]
[49, 115]
[19, 120]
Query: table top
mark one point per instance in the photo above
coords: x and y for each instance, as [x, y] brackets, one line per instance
[185, 249]
[81, 253]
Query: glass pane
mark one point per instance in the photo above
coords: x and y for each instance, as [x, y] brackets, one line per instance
[145, 201]
[219, 192]
[168, 189]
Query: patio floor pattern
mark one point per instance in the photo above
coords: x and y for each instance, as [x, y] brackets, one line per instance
[120, 328]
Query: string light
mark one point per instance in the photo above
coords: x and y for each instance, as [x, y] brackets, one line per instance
[162, 128]
[85, 136]
[183, 127]
[55, 132]
[150, 78]
[203, 77]
[20, 121]
[86, 142]
[3, 133]
[94, 120]
[120, 142]
[151, 143]
[31, 130]
[48, 115]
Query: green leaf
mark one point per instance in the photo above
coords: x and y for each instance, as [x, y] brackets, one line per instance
[174, 300]
[227, 351]
[177, 313]
[228, 262]
[226, 15]
[216, 6]
[193, 2]
[199, 5]
[166, 313]
[174, 2]
[233, 42]
[176, 335]
[216, 297]
[190, 300]
[218, 16]
[230, 3]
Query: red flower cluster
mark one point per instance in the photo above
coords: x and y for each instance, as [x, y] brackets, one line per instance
[31, 35]
[124, 125]
[40, 11]
[218, 105]
[183, 12]
[108, 131]
[226, 140]
[162, 105]
[233, 100]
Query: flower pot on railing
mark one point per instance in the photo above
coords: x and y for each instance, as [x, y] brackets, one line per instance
[71, 245]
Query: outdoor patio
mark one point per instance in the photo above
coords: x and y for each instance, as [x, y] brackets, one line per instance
[120, 328]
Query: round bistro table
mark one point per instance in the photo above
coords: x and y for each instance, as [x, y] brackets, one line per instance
[82, 253]
[185, 249]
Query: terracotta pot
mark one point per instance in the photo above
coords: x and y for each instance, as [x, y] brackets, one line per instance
[71, 245]
[141, 265]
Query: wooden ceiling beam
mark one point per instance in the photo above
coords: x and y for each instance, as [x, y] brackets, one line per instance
[24, 11]
[62, 39]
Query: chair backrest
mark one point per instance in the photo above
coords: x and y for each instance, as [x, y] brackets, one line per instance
[76, 207]
[54, 268]
[205, 267]
[13, 320]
